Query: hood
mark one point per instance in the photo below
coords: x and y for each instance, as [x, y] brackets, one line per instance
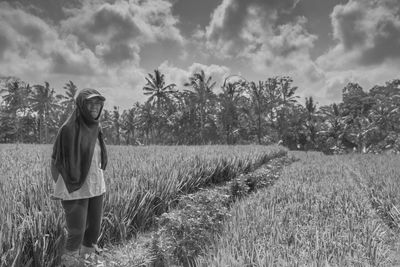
[83, 95]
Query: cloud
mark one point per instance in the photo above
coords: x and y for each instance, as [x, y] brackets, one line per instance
[254, 32]
[181, 76]
[174, 74]
[68, 63]
[333, 85]
[5, 42]
[367, 49]
[96, 46]
[122, 86]
[285, 51]
[21, 32]
[116, 31]
[330, 88]
[292, 38]
[209, 70]
[237, 24]
[312, 73]
[29, 45]
[367, 33]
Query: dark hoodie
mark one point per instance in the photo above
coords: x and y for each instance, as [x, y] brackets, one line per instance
[75, 142]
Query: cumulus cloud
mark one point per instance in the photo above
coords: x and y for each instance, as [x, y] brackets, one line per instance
[367, 33]
[291, 38]
[335, 82]
[237, 24]
[28, 45]
[69, 63]
[286, 51]
[96, 45]
[116, 31]
[122, 87]
[174, 74]
[330, 88]
[252, 31]
[180, 76]
[209, 70]
[21, 32]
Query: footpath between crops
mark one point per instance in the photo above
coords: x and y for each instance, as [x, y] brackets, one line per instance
[185, 231]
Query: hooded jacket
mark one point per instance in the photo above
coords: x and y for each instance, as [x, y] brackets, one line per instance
[74, 146]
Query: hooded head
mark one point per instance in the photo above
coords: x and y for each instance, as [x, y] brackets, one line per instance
[89, 101]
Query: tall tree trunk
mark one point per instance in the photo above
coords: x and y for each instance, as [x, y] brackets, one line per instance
[128, 138]
[46, 131]
[39, 130]
[202, 124]
[259, 128]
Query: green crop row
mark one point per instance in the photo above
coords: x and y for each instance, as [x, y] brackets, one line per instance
[142, 183]
[322, 212]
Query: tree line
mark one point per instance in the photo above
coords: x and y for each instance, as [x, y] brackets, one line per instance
[242, 112]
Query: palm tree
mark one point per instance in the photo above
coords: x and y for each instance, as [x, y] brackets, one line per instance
[229, 114]
[129, 121]
[287, 91]
[66, 102]
[202, 96]
[310, 122]
[272, 95]
[184, 123]
[159, 93]
[160, 96]
[15, 109]
[287, 101]
[334, 127]
[385, 113]
[43, 102]
[69, 99]
[107, 125]
[117, 125]
[12, 96]
[146, 120]
[357, 105]
[258, 105]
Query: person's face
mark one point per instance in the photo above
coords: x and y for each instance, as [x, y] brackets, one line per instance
[94, 106]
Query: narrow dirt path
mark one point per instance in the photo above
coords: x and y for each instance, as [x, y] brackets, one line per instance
[152, 248]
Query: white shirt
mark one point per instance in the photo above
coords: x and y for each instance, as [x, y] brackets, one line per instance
[94, 184]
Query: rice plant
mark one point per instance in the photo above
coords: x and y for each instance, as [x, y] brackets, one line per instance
[319, 213]
[143, 182]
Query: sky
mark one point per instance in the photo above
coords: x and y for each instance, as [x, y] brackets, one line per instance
[112, 45]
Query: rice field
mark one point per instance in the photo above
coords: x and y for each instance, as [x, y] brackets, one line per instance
[323, 211]
[142, 182]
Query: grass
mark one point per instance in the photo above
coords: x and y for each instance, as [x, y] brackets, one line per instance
[322, 212]
[143, 182]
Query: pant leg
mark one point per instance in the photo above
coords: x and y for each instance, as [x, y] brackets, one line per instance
[75, 215]
[94, 216]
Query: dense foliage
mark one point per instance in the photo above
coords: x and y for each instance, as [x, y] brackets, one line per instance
[242, 112]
